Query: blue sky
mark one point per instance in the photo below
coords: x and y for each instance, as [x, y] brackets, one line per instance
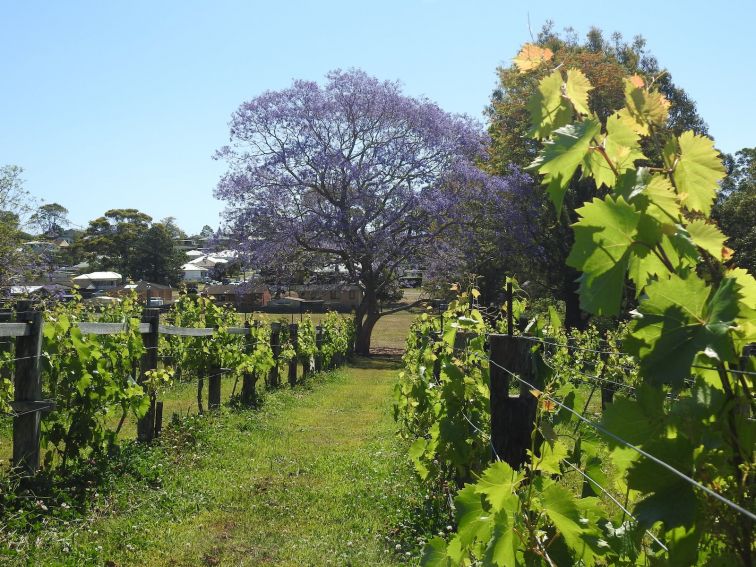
[122, 103]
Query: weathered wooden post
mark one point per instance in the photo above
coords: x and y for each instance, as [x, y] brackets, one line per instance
[158, 418]
[293, 337]
[214, 386]
[146, 423]
[318, 348]
[249, 380]
[512, 417]
[275, 345]
[28, 391]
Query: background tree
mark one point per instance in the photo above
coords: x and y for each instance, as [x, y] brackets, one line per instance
[539, 254]
[50, 219]
[735, 210]
[110, 241]
[206, 232]
[353, 170]
[173, 228]
[156, 258]
[15, 205]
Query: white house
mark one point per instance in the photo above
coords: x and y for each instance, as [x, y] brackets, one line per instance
[98, 280]
[194, 273]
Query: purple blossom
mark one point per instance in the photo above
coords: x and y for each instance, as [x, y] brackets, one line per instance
[353, 170]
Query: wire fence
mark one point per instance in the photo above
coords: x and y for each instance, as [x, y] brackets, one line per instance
[600, 380]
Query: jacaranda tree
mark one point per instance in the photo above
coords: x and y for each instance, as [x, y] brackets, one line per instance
[353, 170]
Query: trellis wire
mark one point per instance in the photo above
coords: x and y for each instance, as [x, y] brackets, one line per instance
[635, 448]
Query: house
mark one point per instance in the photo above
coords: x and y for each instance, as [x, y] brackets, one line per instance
[184, 244]
[147, 290]
[41, 290]
[193, 273]
[98, 281]
[334, 296]
[244, 297]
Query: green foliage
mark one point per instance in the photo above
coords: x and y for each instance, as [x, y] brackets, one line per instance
[126, 240]
[92, 378]
[550, 90]
[443, 392]
[689, 405]
[735, 209]
[338, 336]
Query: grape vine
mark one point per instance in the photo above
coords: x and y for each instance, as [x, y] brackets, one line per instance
[665, 473]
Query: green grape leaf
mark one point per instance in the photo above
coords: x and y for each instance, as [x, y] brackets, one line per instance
[746, 319]
[548, 109]
[560, 507]
[596, 166]
[680, 315]
[554, 320]
[498, 483]
[416, 453]
[643, 108]
[708, 237]
[621, 147]
[577, 88]
[635, 421]
[676, 505]
[473, 522]
[551, 457]
[603, 237]
[697, 172]
[502, 549]
[561, 156]
[434, 554]
[643, 266]
[594, 471]
[659, 200]
[683, 545]
[647, 476]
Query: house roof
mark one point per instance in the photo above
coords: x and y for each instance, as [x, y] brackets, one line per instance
[328, 287]
[98, 276]
[235, 289]
[189, 267]
[143, 285]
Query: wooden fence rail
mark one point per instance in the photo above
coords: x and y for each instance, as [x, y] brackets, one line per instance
[28, 405]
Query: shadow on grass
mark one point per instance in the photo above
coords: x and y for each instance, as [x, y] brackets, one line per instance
[376, 362]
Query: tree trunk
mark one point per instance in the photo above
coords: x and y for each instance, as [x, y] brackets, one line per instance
[365, 319]
[364, 333]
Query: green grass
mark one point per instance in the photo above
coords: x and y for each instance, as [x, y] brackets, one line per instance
[316, 477]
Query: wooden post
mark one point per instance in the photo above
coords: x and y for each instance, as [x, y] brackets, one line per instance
[146, 423]
[214, 386]
[158, 418]
[607, 390]
[275, 345]
[293, 330]
[28, 388]
[200, 389]
[318, 348]
[512, 417]
[249, 380]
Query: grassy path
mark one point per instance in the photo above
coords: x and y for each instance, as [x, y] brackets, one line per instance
[316, 477]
